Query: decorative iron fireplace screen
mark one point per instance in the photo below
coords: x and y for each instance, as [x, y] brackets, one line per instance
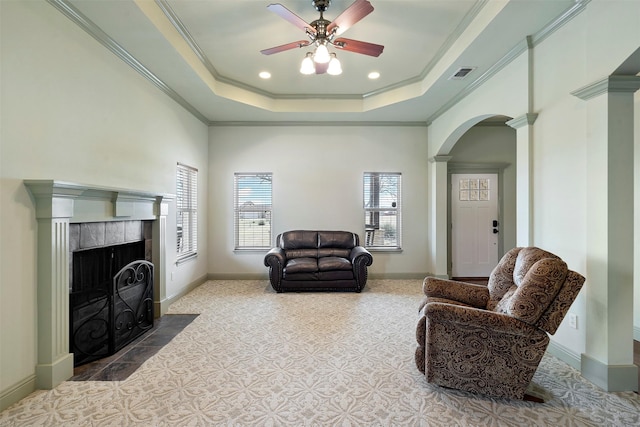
[111, 300]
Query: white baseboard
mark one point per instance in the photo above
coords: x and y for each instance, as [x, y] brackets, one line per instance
[17, 392]
[563, 353]
[162, 306]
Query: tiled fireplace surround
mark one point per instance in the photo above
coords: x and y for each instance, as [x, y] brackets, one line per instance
[63, 211]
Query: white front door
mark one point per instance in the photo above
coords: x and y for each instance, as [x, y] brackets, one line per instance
[474, 224]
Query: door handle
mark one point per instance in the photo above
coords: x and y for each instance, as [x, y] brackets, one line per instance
[495, 231]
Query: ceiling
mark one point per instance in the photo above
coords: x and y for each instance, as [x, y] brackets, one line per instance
[206, 54]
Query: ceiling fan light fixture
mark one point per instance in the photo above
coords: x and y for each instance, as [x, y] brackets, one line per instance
[307, 66]
[335, 68]
[321, 54]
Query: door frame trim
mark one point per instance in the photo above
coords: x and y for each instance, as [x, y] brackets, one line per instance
[471, 168]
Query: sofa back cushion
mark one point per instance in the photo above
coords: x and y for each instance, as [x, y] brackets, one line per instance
[337, 239]
[298, 239]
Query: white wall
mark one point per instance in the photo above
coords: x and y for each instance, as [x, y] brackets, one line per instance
[72, 111]
[317, 184]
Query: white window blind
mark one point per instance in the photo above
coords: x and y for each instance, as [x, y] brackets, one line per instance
[382, 214]
[187, 211]
[252, 210]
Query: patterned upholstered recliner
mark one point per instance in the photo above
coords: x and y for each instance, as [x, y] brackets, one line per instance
[490, 339]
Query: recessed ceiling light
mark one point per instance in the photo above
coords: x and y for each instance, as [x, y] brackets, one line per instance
[374, 75]
[265, 75]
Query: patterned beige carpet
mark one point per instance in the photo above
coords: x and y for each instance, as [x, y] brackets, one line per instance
[257, 358]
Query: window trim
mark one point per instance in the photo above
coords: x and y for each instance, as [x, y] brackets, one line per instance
[190, 182]
[236, 211]
[398, 210]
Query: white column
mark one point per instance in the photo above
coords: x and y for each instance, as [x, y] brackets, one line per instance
[608, 360]
[524, 170]
[439, 247]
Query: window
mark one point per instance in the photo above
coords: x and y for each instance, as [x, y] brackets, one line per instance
[252, 210]
[187, 211]
[382, 219]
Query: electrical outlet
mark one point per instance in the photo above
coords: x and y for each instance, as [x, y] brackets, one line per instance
[573, 320]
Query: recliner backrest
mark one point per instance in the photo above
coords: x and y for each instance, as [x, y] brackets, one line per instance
[534, 286]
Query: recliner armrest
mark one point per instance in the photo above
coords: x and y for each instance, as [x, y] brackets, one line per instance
[467, 293]
[496, 323]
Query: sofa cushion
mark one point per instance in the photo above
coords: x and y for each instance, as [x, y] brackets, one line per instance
[299, 239]
[336, 239]
[301, 253]
[334, 263]
[311, 277]
[333, 252]
[335, 275]
[301, 265]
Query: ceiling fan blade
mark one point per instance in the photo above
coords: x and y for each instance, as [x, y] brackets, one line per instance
[322, 68]
[285, 13]
[358, 10]
[282, 48]
[357, 46]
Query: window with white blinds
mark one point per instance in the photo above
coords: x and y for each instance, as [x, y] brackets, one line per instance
[187, 211]
[382, 215]
[252, 210]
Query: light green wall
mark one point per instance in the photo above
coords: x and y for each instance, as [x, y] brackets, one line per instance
[581, 52]
[317, 184]
[72, 111]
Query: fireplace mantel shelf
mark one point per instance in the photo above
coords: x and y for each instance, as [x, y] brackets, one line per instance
[94, 203]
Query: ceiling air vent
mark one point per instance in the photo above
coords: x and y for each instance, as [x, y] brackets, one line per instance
[461, 73]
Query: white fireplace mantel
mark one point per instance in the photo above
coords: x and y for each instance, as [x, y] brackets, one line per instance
[57, 204]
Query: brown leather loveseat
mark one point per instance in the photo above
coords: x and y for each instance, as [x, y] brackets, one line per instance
[305, 260]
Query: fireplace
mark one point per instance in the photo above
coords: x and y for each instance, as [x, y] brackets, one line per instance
[59, 206]
[111, 287]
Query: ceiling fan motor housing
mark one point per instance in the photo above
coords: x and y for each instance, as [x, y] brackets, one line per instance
[321, 5]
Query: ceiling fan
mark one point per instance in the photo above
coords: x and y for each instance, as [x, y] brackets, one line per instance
[322, 33]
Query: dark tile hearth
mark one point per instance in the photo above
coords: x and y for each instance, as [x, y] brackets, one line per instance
[125, 362]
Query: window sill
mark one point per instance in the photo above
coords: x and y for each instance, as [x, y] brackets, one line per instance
[245, 250]
[186, 258]
[381, 249]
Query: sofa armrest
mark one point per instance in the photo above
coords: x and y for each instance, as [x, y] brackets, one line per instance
[360, 259]
[275, 256]
[275, 259]
[360, 254]
[467, 293]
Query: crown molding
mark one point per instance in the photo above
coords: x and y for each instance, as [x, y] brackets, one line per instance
[523, 120]
[609, 84]
[326, 123]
